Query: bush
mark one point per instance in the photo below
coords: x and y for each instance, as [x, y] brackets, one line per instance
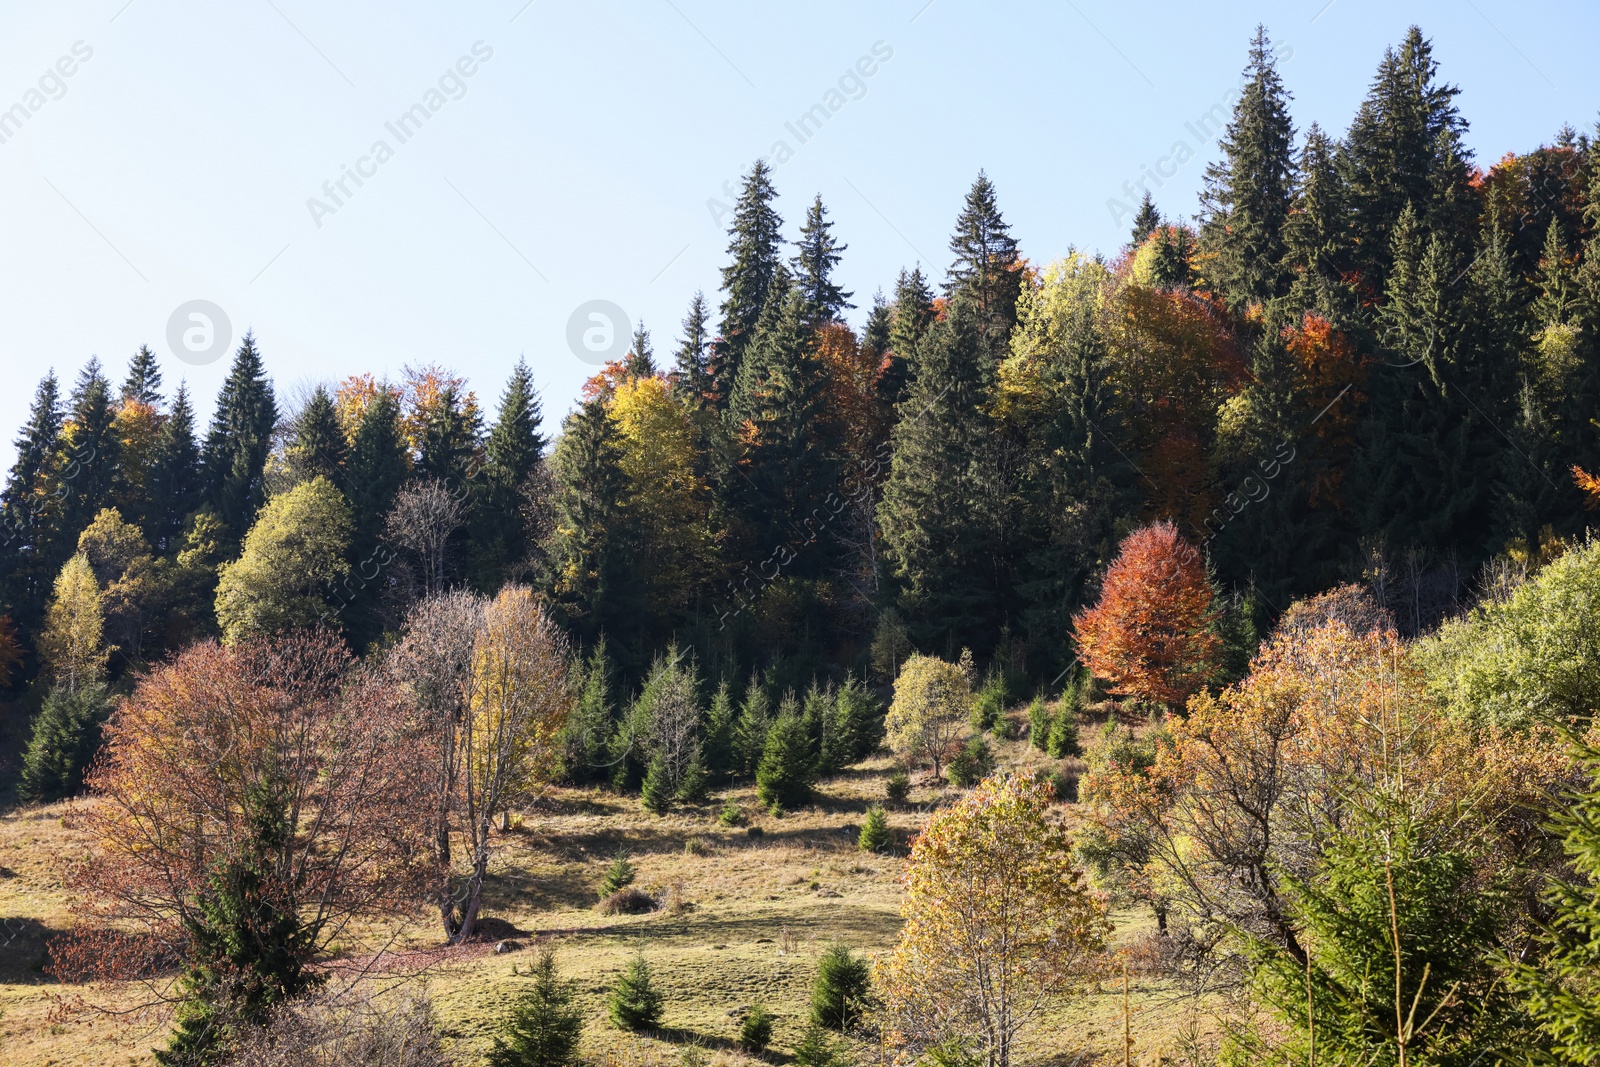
[1039, 724]
[66, 736]
[784, 777]
[817, 1049]
[543, 1027]
[630, 901]
[1063, 786]
[731, 814]
[990, 702]
[898, 786]
[972, 764]
[839, 994]
[634, 1004]
[875, 834]
[619, 874]
[656, 794]
[1063, 741]
[756, 1030]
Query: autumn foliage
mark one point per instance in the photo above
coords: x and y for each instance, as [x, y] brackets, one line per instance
[1152, 633]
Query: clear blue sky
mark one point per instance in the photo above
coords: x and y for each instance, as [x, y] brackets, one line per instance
[577, 161]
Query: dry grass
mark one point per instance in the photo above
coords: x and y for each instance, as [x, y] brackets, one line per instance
[751, 914]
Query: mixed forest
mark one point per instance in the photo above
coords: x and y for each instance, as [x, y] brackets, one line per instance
[1221, 610]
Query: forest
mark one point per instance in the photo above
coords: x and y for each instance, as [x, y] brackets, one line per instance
[1200, 643]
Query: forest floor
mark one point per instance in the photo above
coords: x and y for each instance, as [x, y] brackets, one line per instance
[753, 912]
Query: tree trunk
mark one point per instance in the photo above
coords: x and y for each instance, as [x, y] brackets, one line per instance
[469, 910]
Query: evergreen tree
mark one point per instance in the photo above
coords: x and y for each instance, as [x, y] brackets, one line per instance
[543, 1025]
[28, 525]
[1145, 220]
[375, 468]
[1315, 235]
[512, 454]
[909, 318]
[451, 429]
[87, 460]
[754, 242]
[1249, 190]
[236, 447]
[875, 835]
[987, 269]
[589, 555]
[586, 736]
[755, 1032]
[690, 373]
[750, 730]
[821, 299]
[175, 474]
[143, 382]
[842, 990]
[718, 746]
[1171, 266]
[657, 792]
[65, 738]
[317, 446]
[640, 362]
[635, 1003]
[788, 765]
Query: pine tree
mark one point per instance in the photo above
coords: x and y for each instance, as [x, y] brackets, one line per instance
[512, 454]
[1315, 237]
[875, 334]
[1145, 220]
[143, 382]
[543, 1025]
[788, 765]
[28, 525]
[635, 1003]
[175, 475]
[317, 447]
[909, 318]
[236, 447]
[721, 724]
[755, 1032]
[657, 792]
[821, 299]
[987, 269]
[755, 240]
[451, 432]
[86, 461]
[750, 730]
[375, 468]
[1248, 192]
[65, 738]
[817, 1049]
[589, 555]
[843, 987]
[690, 374]
[875, 835]
[586, 737]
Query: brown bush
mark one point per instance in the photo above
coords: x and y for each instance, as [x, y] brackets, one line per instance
[629, 901]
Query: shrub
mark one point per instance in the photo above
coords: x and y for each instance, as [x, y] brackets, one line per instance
[972, 764]
[634, 1004]
[756, 1030]
[875, 835]
[630, 901]
[898, 786]
[656, 794]
[619, 874]
[1039, 724]
[989, 703]
[1063, 741]
[694, 846]
[731, 814]
[817, 1049]
[542, 1027]
[839, 994]
[66, 736]
[1063, 786]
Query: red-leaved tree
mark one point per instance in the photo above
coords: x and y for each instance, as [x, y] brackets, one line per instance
[1152, 634]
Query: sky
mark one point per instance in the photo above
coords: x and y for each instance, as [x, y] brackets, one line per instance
[163, 153]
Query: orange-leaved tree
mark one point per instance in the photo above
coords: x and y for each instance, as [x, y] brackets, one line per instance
[1152, 634]
[999, 924]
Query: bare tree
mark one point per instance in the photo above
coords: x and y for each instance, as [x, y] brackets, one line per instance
[424, 516]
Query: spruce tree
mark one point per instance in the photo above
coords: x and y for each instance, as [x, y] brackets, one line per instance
[87, 461]
[909, 318]
[451, 432]
[317, 447]
[586, 736]
[1315, 235]
[512, 453]
[875, 334]
[750, 729]
[1249, 190]
[875, 835]
[754, 243]
[375, 468]
[143, 382]
[236, 446]
[842, 990]
[987, 269]
[635, 1003]
[543, 1025]
[28, 526]
[65, 738]
[788, 765]
[640, 362]
[690, 372]
[1145, 220]
[821, 298]
[175, 475]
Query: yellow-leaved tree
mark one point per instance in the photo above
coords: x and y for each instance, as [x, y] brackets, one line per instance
[73, 643]
[999, 925]
[293, 558]
[932, 703]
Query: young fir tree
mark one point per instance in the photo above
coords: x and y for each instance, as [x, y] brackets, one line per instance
[236, 446]
[543, 1026]
[86, 461]
[1249, 190]
[656, 794]
[875, 835]
[589, 554]
[175, 475]
[143, 383]
[788, 765]
[821, 298]
[30, 543]
[754, 243]
[317, 447]
[65, 738]
[751, 727]
[635, 1003]
[842, 990]
[1145, 220]
[987, 269]
[512, 453]
[690, 373]
[718, 747]
[586, 735]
